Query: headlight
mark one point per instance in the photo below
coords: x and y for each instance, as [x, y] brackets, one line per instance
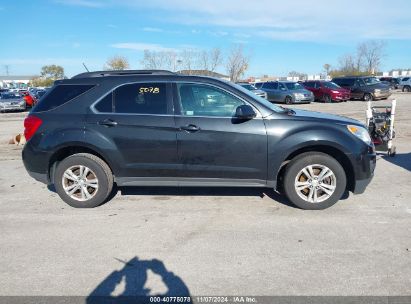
[377, 90]
[335, 92]
[360, 132]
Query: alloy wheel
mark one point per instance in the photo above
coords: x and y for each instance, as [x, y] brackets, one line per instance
[80, 183]
[315, 183]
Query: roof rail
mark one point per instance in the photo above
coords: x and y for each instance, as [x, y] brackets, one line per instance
[123, 73]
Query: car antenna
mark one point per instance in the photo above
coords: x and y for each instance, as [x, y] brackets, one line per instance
[85, 67]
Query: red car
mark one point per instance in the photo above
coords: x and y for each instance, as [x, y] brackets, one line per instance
[327, 91]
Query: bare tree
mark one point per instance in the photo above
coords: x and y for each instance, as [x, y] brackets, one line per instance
[327, 68]
[371, 53]
[189, 57]
[117, 63]
[210, 60]
[347, 64]
[216, 59]
[152, 60]
[204, 61]
[237, 63]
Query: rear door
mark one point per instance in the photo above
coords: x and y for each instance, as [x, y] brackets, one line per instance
[214, 146]
[137, 119]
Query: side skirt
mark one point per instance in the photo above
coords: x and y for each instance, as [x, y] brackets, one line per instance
[192, 182]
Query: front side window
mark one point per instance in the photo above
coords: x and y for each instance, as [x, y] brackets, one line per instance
[140, 98]
[204, 100]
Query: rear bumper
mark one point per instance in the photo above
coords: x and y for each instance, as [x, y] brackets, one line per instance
[40, 177]
[36, 162]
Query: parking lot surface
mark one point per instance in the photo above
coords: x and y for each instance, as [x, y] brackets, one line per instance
[208, 241]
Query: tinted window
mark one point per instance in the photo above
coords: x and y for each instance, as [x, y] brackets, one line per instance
[309, 84]
[270, 85]
[347, 82]
[258, 85]
[294, 86]
[331, 85]
[281, 86]
[59, 95]
[141, 98]
[203, 100]
[405, 79]
[106, 104]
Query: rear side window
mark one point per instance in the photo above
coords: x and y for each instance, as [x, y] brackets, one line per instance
[309, 84]
[60, 95]
[405, 79]
[141, 98]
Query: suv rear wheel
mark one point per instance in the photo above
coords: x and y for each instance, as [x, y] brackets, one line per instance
[406, 89]
[83, 180]
[314, 181]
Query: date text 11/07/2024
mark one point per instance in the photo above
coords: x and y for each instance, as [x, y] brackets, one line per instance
[204, 299]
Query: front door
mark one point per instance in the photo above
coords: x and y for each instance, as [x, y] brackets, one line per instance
[212, 144]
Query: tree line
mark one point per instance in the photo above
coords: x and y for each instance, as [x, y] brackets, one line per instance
[366, 60]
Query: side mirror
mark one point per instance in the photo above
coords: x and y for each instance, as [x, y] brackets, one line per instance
[245, 112]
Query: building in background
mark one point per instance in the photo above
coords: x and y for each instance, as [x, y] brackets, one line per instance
[15, 82]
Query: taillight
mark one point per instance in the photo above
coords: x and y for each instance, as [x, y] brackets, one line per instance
[31, 124]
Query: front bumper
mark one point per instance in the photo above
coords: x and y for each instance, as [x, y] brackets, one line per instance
[10, 108]
[364, 167]
[341, 97]
[303, 100]
[382, 94]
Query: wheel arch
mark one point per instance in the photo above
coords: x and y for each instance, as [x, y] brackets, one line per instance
[66, 151]
[329, 150]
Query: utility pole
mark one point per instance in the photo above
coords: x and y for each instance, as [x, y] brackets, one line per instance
[6, 68]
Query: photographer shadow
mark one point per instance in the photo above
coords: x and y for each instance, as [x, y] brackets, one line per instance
[133, 276]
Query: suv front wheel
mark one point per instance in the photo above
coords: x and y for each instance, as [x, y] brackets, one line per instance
[83, 180]
[314, 181]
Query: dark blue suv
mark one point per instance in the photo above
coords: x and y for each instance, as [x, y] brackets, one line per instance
[158, 128]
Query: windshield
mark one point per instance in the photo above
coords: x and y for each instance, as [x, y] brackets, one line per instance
[294, 86]
[371, 80]
[331, 85]
[248, 86]
[259, 99]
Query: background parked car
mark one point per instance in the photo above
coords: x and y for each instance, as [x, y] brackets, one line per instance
[287, 92]
[39, 93]
[327, 91]
[252, 88]
[405, 84]
[393, 82]
[11, 102]
[364, 87]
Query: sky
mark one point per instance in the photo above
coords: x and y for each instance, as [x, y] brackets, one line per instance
[279, 36]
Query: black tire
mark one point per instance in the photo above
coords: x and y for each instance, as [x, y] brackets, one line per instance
[406, 89]
[102, 173]
[288, 100]
[313, 158]
[367, 97]
[327, 98]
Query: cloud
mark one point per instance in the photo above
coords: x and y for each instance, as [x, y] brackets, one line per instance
[136, 46]
[321, 21]
[84, 3]
[152, 29]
